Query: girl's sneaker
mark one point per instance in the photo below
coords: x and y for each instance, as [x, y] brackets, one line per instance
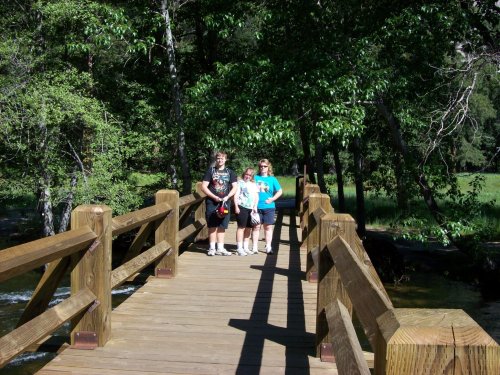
[223, 252]
[241, 252]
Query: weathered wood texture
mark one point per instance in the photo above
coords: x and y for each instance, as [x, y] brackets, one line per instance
[168, 230]
[319, 205]
[434, 341]
[43, 325]
[92, 270]
[45, 290]
[22, 258]
[330, 286]
[305, 211]
[368, 300]
[135, 219]
[200, 214]
[346, 348]
[219, 315]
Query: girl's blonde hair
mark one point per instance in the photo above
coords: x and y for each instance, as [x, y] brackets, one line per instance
[247, 171]
[269, 166]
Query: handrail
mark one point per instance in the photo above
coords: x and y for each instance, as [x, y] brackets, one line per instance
[38, 328]
[132, 220]
[20, 259]
[91, 235]
[399, 337]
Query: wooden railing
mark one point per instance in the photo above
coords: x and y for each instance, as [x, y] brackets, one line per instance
[86, 250]
[404, 341]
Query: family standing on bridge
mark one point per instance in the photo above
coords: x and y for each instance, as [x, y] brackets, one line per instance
[253, 195]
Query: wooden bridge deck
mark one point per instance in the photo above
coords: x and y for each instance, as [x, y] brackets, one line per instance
[220, 315]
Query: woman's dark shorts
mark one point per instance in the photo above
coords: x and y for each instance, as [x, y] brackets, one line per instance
[243, 218]
[213, 221]
[267, 215]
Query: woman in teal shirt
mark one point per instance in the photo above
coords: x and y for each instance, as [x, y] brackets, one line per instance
[269, 190]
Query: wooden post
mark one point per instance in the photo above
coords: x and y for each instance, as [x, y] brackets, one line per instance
[299, 192]
[434, 341]
[308, 190]
[330, 286]
[92, 270]
[316, 200]
[168, 230]
[200, 214]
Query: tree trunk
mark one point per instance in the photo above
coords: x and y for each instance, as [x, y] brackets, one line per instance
[45, 206]
[176, 94]
[68, 204]
[360, 195]
[45, 202]
[401, 191]
[320, 167]
[418, 174]
[340, 178]
[306, 149]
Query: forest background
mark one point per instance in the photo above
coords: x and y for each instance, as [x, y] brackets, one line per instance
[108, 101]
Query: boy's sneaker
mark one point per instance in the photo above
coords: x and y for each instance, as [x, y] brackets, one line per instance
[222, 252]
[241, 252]
[211, 252]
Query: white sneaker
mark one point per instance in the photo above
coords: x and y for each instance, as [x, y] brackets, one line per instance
[253, 252]
[269, 250]
[241, 252]
[223, 252]
[248, 252]
[211, 252]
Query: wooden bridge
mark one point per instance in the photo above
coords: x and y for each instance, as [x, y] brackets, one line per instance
[289, 312]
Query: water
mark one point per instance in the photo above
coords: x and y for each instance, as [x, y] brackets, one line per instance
[14, 295]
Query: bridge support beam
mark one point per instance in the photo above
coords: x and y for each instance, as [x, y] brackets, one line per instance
[92, 269]
[168, 230]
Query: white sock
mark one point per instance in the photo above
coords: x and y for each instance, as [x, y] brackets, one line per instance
[245, 244]
[212, 245]
[220, 245]
[240, 245]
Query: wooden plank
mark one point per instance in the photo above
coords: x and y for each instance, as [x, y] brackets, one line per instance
[200, 214]
[219, 315]
[191, 199]
[168, 230]
[122, 273]
[135, 219]
[192, 229]
[35, 330]
[23, 258]
[428, 341]
[92, 270]
[138, 243]
[45, 290]
[330, 286]
[368, 301]
[346, 347]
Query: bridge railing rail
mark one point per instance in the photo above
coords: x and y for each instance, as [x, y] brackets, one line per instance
[86, 251]
[404, 341]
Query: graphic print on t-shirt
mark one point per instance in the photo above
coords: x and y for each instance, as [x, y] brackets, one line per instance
[220, 182]
[263, 186]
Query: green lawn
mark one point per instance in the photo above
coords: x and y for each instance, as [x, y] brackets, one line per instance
[381, 210]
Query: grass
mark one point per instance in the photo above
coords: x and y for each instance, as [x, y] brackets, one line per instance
[381, 210]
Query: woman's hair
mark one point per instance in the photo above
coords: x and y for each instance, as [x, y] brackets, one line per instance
[270, 166]
[248, 170]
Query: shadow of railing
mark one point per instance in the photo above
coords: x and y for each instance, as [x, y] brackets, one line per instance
[298, 344]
